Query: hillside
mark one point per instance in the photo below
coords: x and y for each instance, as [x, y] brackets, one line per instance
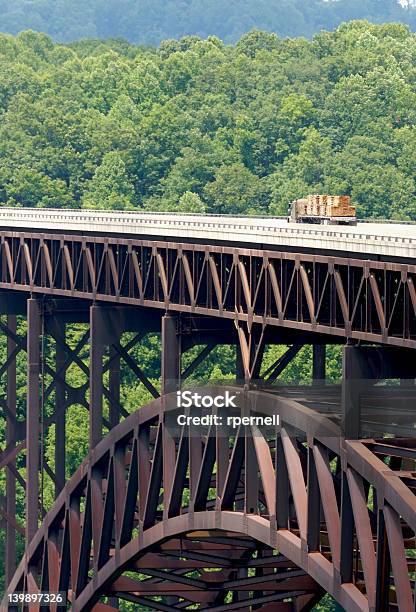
[148, 22]
[199, 125]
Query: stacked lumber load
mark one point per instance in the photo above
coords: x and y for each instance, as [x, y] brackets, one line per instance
[328, 206]
[301, 207]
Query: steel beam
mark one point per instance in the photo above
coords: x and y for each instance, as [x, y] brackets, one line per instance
[33, 417]
[319, 363]
[170, 382]
[239, 368]
[275, 370]
[97, 346]
[114, 387]
[171, 354]
[339, 296]
[314, 505]
[383, 566]
[60, 411]
[355, 371]
[10, 552]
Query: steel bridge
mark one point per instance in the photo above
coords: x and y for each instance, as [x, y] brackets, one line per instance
[242, 519]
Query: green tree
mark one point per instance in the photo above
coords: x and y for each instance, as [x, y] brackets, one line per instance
[257, 40]
[236, 190]
[29, 187]
[302, 172]
[110, 187]
[384, 191]
[190, 203]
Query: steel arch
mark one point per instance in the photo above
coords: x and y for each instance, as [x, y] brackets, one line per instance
[344, 512]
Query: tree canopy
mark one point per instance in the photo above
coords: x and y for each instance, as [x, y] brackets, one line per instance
[199, 125]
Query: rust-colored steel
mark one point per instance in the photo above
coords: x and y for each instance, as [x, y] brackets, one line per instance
[10, 552]
[33, 417]
[352, 298]
[25, 429]
[116, 519]
[340, 514]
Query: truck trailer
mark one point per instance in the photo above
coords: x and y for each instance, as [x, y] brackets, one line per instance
[323, 209]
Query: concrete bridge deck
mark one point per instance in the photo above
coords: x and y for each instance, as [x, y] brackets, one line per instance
[381, 240]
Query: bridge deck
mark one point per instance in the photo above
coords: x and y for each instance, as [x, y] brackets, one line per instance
[389, 240]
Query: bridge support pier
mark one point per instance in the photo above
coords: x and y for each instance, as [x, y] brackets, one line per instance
[114, 387]
[98, 335]
[58, 331]
[34, 325]
[171, 354]
[10, 553]
[318, 363]
[12, 305]
[354, 370]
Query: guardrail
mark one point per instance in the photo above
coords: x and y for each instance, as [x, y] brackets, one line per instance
[253, 229]
[129, 213]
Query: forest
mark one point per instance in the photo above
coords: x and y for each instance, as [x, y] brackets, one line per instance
[202, 125]
[198, 125]
[148, 22]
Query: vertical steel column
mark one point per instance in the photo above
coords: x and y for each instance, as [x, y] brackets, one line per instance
[347, 533]
[171, 372]
[170, 382]
[171, 355]
[97, 332]
[282, 486]
[10, 553]
[314, 505]
[239, 368]
[32, 418]
[383, 565]
[60, 410]
[318, 364]
[355, 370]
[114, 387]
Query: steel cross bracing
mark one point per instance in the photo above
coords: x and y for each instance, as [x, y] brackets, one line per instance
[340, 514]
[145, 517]
[360, 299]
[50, 395]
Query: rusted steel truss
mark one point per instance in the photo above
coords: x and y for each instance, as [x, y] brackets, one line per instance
[50, 394]
[13, 443]
[218, 521]
[339, 514]
[353, 298]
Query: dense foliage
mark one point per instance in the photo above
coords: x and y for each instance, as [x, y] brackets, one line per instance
[198, 125]
[151, 21]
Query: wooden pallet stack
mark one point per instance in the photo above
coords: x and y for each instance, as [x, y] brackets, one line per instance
[340, 206]
[328, 206]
